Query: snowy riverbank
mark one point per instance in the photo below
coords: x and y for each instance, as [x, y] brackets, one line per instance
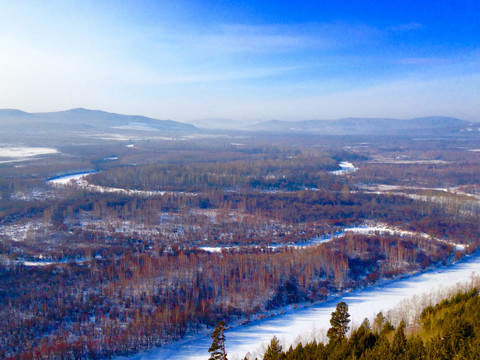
[367, 229]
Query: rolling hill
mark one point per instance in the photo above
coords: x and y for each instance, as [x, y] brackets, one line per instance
[84, 121]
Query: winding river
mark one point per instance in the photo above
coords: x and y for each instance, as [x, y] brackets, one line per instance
[302, 323]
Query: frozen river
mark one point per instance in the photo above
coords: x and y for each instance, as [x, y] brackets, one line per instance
[302, 323]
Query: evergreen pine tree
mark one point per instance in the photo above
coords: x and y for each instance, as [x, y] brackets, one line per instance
[339, 321]
[378, 323]
[274, 350]
[217, 349]
[399, 343]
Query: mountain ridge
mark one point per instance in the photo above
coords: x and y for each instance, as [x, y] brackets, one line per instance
[81, 119]
[350, 126]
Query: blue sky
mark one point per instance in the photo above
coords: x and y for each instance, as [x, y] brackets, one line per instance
[243, 60]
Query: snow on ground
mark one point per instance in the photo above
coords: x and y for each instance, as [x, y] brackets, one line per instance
[301, 324]
[17, 153]
[45, 263]
[368, 229]
[404, 160]
[136, 126]
[25, 152]
[22, 232]
[69, 178]
[35, 194]
[79, 180]
[466, 199]
[345, 168]
[37, 263]
[115, 137]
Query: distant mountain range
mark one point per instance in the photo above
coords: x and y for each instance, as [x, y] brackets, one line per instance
[84, 120]
[376, 126]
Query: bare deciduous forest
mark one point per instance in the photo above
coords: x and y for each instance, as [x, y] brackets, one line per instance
[166, 238]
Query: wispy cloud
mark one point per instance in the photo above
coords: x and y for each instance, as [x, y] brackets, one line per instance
[222, 39]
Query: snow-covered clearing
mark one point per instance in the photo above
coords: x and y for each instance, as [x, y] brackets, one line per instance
[306, 323]
[345, 168]
[18, 153]
[467, 201]
[22, 152]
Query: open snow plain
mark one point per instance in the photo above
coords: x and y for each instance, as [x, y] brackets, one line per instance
[303, 324]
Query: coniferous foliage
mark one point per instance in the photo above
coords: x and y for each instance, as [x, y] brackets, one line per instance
[274, 350]
[339, 322]
[217, 349]
[448, 330]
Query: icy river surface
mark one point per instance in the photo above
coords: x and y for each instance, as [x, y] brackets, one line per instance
[302, 323]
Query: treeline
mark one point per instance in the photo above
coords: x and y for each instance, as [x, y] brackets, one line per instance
[448, 330]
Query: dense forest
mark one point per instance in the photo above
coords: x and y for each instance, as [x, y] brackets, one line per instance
[169, 237]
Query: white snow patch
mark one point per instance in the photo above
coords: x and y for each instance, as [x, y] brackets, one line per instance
[69, 178]
[136, 126]
[20, 152]
[345, 168]
[23, 153]
[212, 249]
[37, 263]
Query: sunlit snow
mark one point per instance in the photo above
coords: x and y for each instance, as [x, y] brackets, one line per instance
[345, 168]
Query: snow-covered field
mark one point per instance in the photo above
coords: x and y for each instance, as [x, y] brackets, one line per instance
[303, 324]
[21, 152]
[18, 153]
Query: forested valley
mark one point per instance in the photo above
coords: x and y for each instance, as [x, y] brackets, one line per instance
[163, 239]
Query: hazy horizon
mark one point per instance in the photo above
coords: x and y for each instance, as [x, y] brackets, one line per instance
[192, 60]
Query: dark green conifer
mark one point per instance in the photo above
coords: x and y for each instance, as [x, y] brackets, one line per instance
[399, 343]
[274, 350]
[339, 321]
